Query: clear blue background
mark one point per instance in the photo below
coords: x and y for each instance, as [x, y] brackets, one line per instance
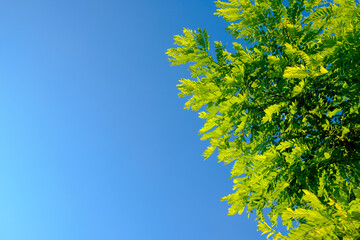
[94, 142]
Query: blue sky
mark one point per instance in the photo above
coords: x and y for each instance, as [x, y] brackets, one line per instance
[94, 142]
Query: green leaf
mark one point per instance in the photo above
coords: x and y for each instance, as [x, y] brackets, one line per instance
[295, 72]
[334, 112]
[344, 131]
[273, 109]
[298, 89]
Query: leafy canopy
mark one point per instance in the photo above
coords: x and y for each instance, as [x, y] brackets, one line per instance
[285, 111]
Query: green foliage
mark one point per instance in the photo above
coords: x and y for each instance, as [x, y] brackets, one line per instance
[285, 112]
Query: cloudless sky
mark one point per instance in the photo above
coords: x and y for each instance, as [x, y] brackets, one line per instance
[94, 142]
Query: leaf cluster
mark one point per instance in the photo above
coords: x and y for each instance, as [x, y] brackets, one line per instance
[285, 111]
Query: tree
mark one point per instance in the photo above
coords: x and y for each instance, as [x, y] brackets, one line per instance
[285, 111]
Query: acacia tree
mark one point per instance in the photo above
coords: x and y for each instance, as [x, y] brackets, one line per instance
[285, 111]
